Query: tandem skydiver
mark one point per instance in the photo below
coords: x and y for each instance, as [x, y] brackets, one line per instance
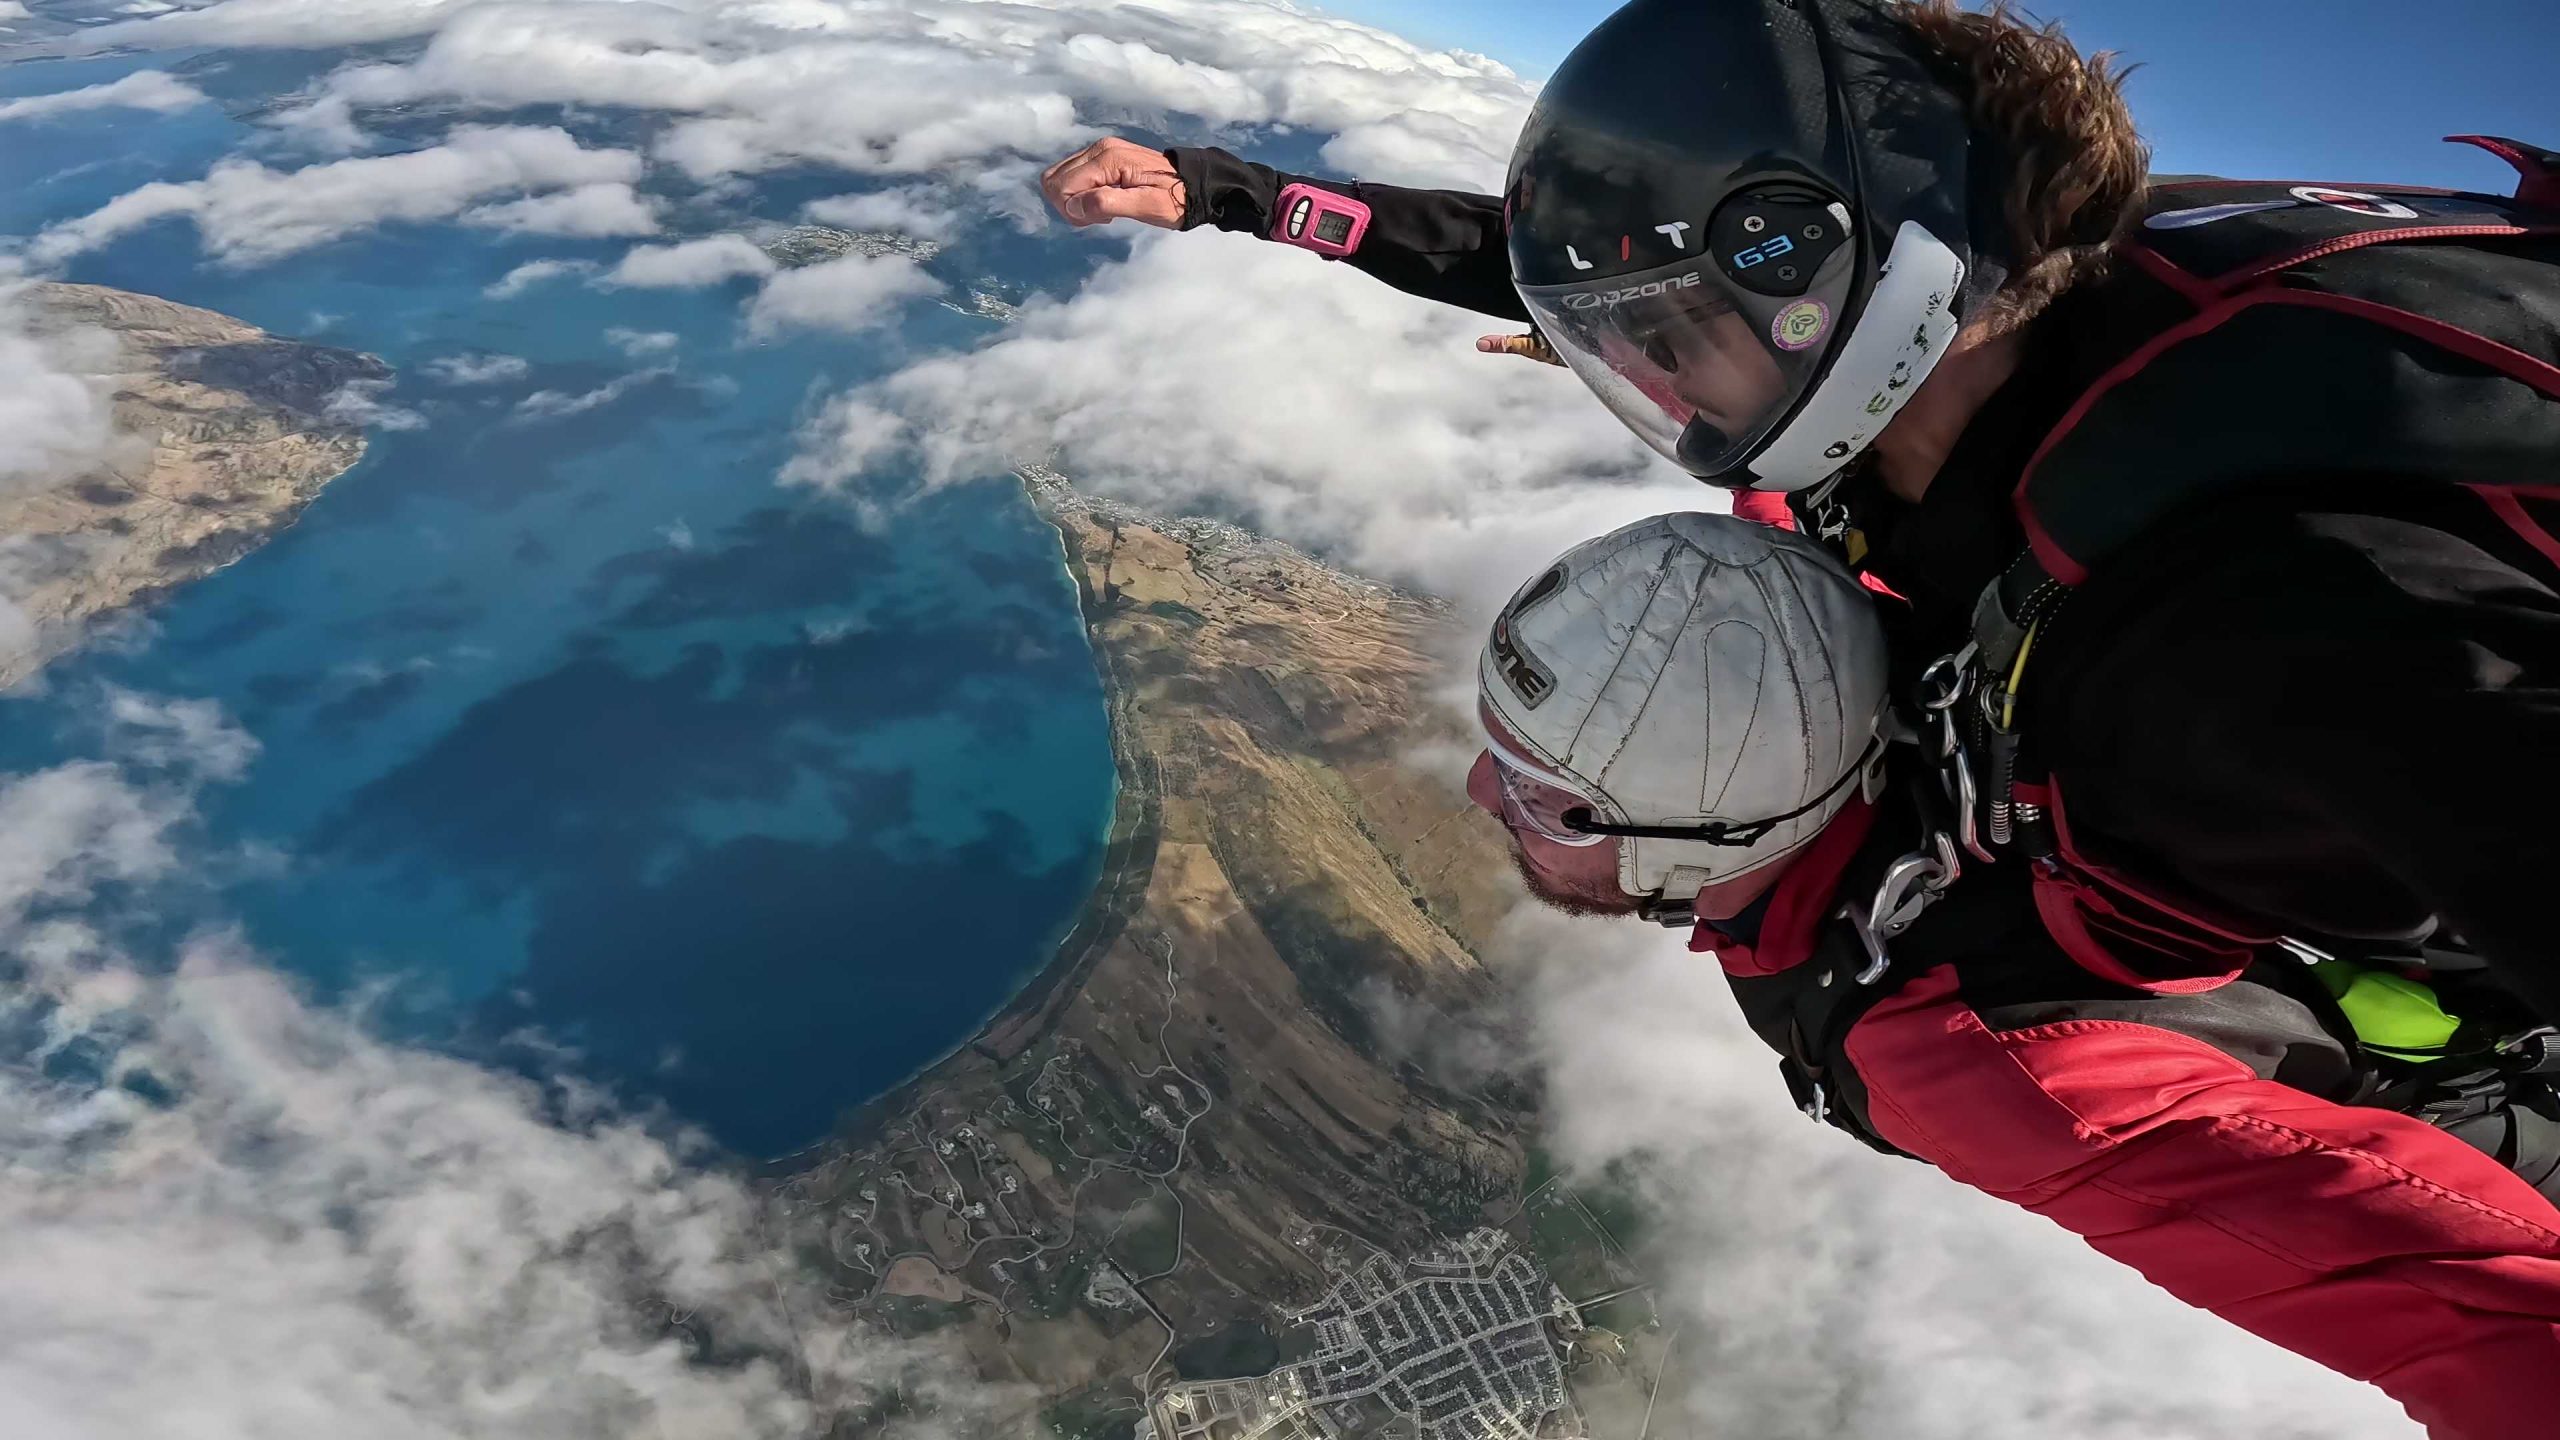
[1689, 720]
[2226, 511]
[2229, 504]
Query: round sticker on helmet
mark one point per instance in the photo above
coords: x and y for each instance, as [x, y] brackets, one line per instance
[1800, 324]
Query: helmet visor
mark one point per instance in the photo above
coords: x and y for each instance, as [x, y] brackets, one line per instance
[1700, 367]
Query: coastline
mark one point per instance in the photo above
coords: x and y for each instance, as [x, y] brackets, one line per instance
[1128, 855]
[1120, 880]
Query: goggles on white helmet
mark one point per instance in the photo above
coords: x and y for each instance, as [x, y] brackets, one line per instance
[1703, 692]
[1538, 802]
[1545, 806]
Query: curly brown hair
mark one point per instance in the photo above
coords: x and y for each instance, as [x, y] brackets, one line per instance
[2078, 166]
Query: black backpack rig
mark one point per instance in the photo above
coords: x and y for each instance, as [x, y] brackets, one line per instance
[2437, 317]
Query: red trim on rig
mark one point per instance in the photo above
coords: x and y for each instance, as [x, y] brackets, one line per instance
[2168, 272]
[1809, 890]
[2507, 501]
[2366, 186]
[2541, 374]
[2049, 552]
[2362, 238]
[2538, 177]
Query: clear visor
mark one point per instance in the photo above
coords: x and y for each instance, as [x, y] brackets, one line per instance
[1535, 801]
[1700, 367]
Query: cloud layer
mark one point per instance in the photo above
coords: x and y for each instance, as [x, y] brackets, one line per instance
[1827, 1293]
[1212, 372]
[141, 90]
[751, 85]
[235, 1213]
[250, 214]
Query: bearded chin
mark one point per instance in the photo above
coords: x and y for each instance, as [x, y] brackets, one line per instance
[1577, 903]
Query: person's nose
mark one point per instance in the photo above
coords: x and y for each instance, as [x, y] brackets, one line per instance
[1483, 786]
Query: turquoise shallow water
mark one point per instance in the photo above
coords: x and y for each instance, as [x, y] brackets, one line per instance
[580, 725]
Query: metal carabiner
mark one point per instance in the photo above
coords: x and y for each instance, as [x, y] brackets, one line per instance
[1911, 884]
[1947, 678]
[1909, 887]
[1967, 800]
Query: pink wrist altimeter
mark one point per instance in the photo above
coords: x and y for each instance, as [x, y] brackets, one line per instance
[1313, 219]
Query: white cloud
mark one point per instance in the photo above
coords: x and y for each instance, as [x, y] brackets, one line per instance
[608, 209]
[141, 90]
[848, 294]
[557, 404]
[13, 10]
[1826, 1290]
[249, 214]
[912, 209]
[56, 414]
[534, 272]
[476, 369]
[190, 738]
[690, 264]
[285, 24]
[307, 1232]
[642, 344]
[1213, 372]
[359, 402]
[753, 85]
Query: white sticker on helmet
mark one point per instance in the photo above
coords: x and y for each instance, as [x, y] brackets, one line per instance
[1908, 323]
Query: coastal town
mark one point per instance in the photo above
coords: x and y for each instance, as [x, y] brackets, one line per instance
[1463, 1342]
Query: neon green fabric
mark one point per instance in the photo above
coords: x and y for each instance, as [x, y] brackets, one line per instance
[2390, 1012]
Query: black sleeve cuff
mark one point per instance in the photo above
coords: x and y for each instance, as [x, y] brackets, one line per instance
[1226, 193]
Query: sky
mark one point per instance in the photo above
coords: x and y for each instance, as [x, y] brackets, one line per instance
[2302, 89]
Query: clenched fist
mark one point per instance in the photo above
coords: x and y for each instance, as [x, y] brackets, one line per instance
[1113, 179]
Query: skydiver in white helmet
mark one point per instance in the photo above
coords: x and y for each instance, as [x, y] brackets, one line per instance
[1688, 720]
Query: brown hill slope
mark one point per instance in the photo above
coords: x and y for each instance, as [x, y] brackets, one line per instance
[1226, 1071]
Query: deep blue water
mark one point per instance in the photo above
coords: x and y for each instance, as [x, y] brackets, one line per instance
[583, 726]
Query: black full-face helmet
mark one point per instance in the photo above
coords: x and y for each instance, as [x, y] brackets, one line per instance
[1744, 223]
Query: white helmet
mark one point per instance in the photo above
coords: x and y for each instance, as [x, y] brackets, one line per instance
[1711, 691]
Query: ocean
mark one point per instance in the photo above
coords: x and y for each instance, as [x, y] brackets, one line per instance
[579, 731]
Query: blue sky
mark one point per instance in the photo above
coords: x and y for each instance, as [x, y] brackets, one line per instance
[2309, 89]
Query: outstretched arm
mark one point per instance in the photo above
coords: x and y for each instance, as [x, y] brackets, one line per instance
[2366, 1240]
[1444, 245]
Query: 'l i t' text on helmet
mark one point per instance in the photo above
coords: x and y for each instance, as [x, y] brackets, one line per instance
[1744, 223]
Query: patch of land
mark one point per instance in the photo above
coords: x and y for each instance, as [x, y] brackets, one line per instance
[1226, 1095]
[813, 244]
[229, 432]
